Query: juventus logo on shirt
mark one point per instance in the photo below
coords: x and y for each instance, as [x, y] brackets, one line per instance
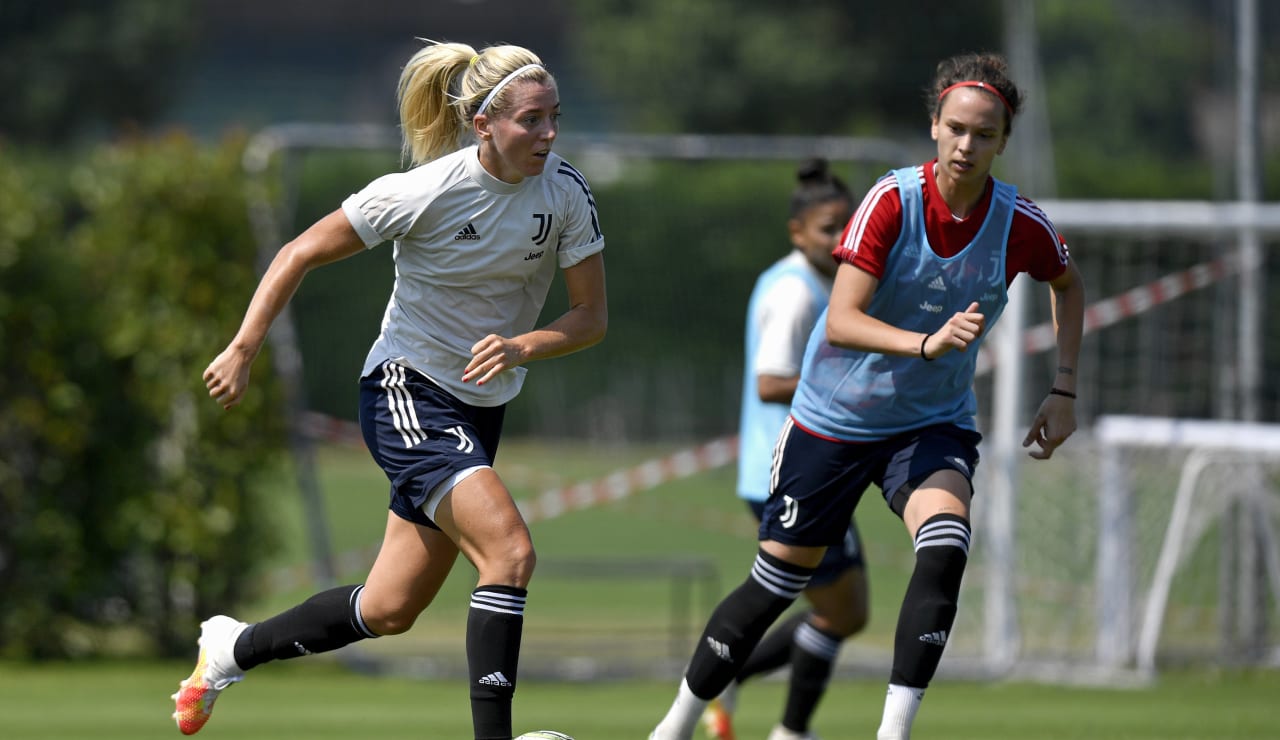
[544, 228]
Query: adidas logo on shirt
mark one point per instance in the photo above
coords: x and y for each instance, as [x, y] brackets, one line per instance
[468, 233]
[937, 284]
[494, 679]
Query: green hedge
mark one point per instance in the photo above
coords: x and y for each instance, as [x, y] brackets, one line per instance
[128, 504]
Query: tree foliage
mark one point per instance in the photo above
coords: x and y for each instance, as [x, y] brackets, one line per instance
[1129, 86]
[68, 66]
[127, 497]
[1131, 131]
[753, 66]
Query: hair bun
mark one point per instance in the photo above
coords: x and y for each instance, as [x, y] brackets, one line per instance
[815, 170]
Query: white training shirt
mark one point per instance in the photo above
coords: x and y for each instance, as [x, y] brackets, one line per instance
[786, 315]
[474, 256]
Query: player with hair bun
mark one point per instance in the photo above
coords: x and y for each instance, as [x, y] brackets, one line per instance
[886, 389]
[480, 228]
[785, 304]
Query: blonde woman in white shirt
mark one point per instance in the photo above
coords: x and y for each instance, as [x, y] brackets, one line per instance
[479, 225]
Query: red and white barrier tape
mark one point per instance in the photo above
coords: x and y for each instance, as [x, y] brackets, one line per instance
[1128, 304]
[647, 475]
[650, 474]
[562, 499]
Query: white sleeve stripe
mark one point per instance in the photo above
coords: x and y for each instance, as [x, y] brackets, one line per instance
[854, 237]
[943, 542]
[777, 581]
[1032, 211]
[814, 642]
[943, 527]
[357, 621]
[483, 599]
[487, 608]
[943, 534]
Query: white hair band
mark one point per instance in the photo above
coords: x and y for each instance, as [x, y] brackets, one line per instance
[505, 80]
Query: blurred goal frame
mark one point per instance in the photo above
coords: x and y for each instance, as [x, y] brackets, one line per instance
[1206, 443]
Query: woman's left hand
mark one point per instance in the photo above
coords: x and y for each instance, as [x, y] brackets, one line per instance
[1054, 422]
[490, 356]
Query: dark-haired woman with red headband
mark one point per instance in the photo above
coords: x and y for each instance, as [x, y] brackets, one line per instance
[886, 389]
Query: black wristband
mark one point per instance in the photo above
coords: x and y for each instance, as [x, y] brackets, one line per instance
[923, 356]
[1060, 392]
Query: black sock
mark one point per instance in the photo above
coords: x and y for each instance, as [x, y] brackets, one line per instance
[324, 622]
[929, 607]
[740, 621]
[774, 650]
[812, 658]
[494, 626]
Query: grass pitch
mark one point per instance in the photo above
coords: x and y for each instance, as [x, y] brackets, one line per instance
[319, 699]
[695, 518]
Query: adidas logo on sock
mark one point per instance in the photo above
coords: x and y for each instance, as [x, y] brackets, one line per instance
[720, 649]
[935, 638]
[494, 679]
[302, 650]
[468, 233]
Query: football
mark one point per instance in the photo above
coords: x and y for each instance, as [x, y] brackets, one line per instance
[544, 735]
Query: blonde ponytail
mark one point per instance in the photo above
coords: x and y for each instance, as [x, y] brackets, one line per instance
[442, 87]
[429, 127]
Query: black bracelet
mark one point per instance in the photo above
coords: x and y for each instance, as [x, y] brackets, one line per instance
[923, 356]
[1060, 392]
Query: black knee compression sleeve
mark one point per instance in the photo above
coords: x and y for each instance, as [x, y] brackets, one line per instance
[774, 649]
[929, 607]
[324, 622]
[740, 620]
[812, 658]
[495, 624]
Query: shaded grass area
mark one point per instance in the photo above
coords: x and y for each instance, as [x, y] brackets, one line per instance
[319, 699]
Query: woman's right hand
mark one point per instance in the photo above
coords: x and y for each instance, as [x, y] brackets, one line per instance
[227, 376]
[958, 333]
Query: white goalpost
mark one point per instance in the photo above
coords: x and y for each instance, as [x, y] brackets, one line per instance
[1228, 469]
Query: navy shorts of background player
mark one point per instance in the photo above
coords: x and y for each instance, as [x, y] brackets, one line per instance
[819, 481]
[836, 560]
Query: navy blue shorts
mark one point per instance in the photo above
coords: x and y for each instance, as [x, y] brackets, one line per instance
[818, 481]
[837, 560]
[421, 435]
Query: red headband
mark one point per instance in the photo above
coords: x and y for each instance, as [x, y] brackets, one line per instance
[984, 86]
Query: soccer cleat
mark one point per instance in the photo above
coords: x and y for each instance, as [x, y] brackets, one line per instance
[718, 720]
[215, 670]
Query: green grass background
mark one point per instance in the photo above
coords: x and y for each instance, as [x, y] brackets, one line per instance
[126, 701]
[697, 517]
